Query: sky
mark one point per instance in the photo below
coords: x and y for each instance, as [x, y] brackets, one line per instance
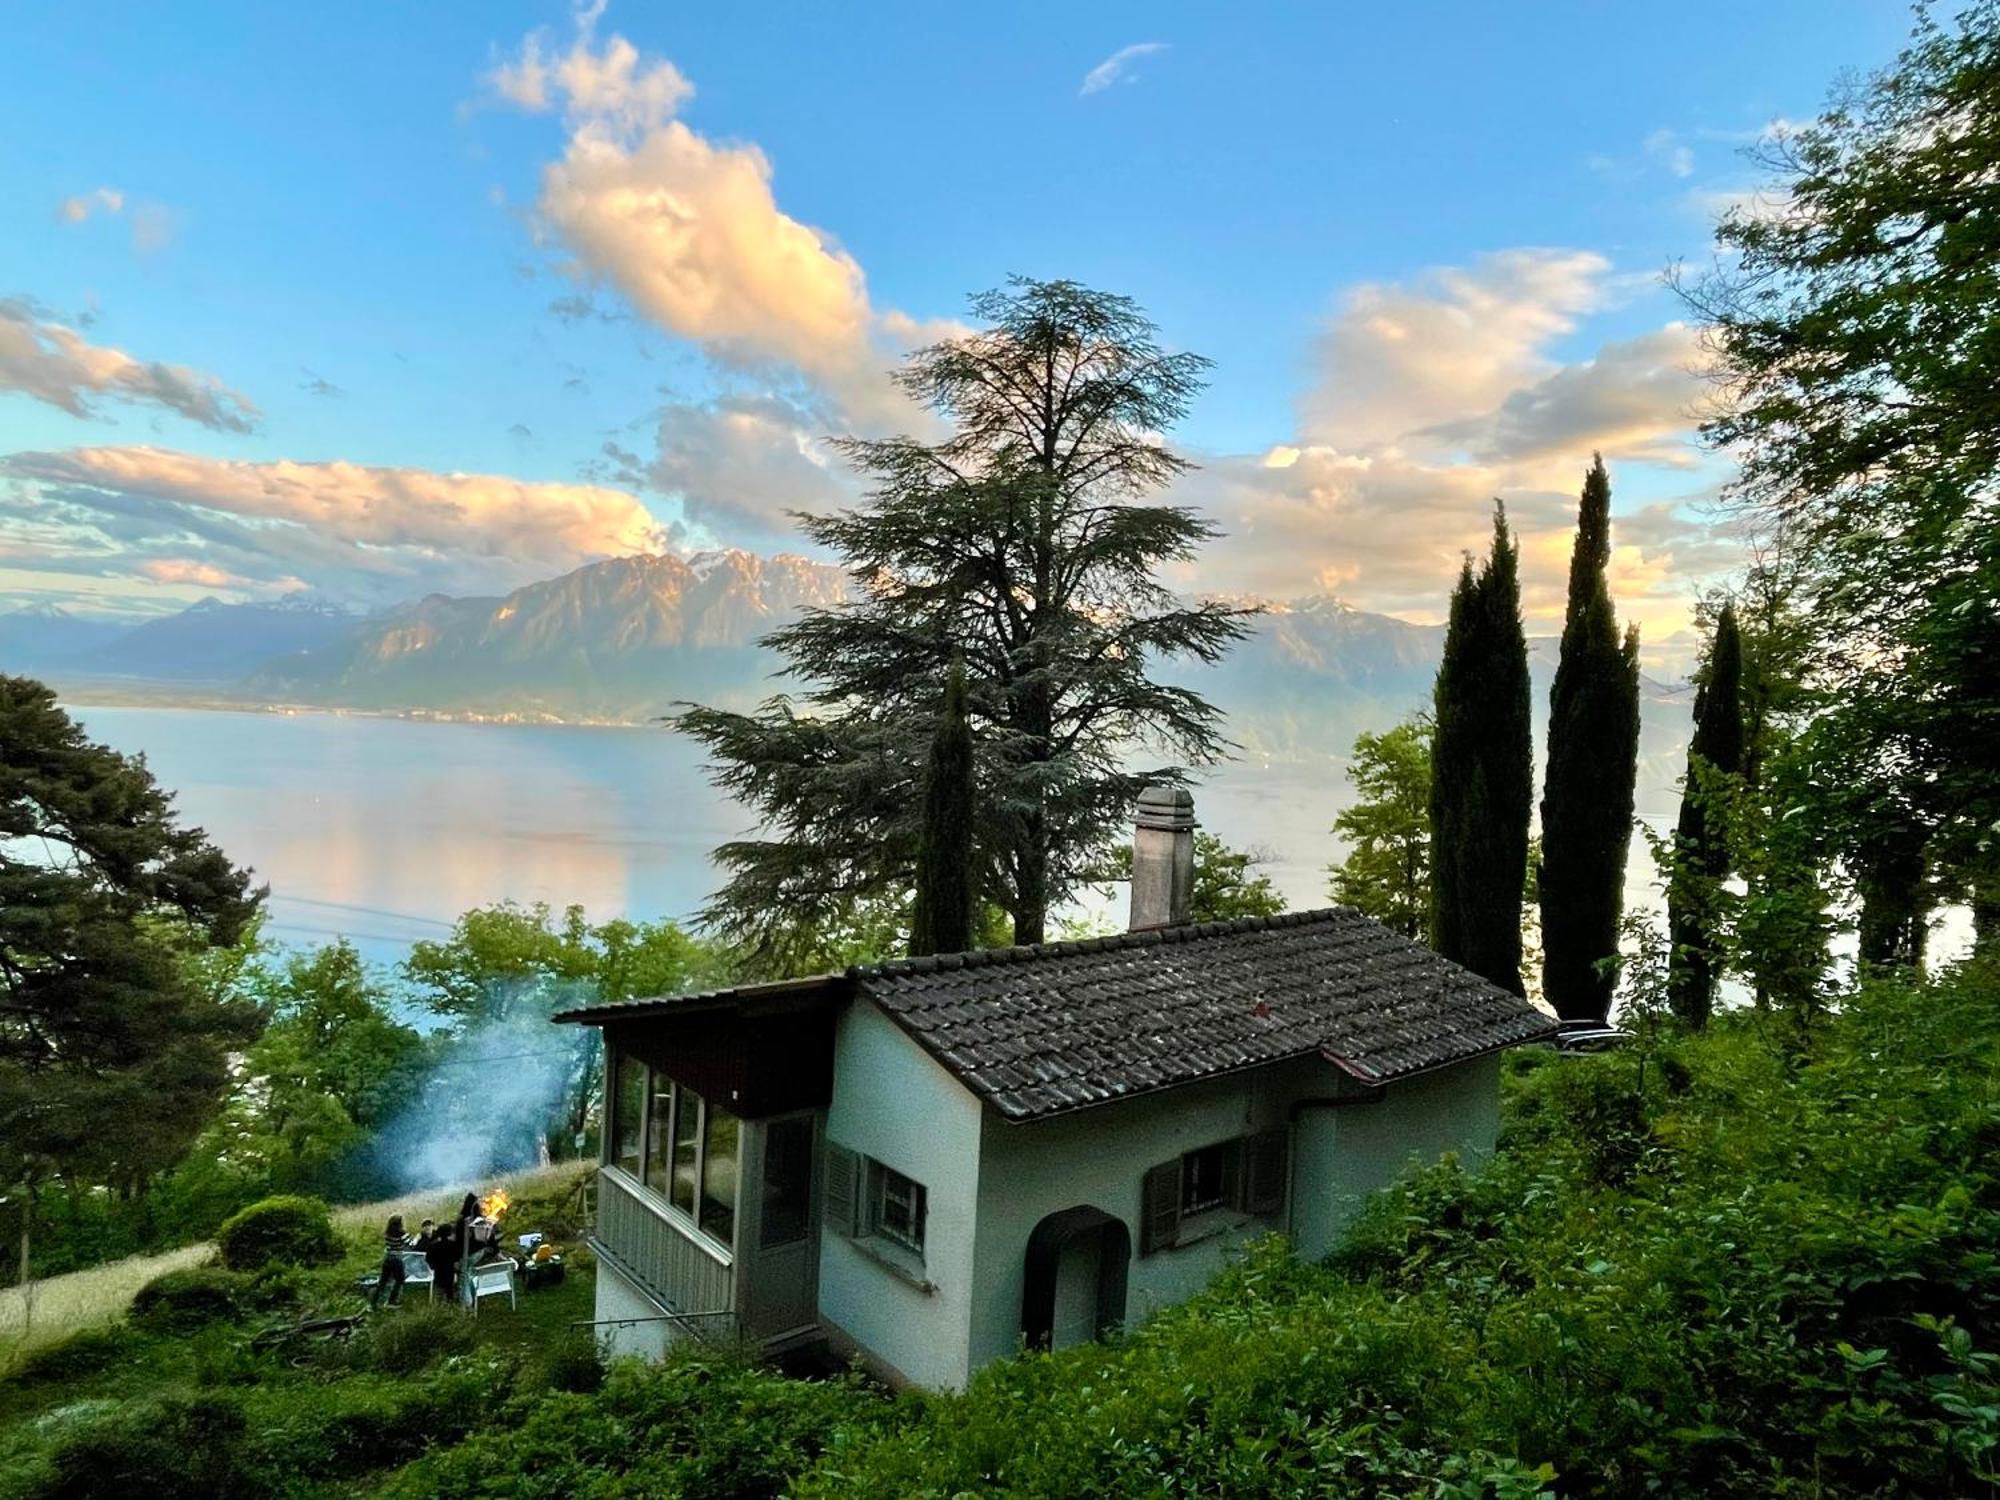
[371, 301]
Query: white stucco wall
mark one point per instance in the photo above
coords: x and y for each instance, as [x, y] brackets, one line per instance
[1099, 1157]
[893, 1103]
[990, 1182]
[619, 1298]
[1339, 1156]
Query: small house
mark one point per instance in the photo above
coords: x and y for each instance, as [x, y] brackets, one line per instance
[931, 1161]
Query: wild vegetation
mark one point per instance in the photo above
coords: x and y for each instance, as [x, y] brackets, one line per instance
[1733, 1262]
[1755, 1252]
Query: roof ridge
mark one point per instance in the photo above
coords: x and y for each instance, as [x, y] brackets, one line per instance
[1142, 938]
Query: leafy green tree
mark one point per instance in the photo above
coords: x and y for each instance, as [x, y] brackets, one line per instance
[1023, 546]
[1387, 869]
[332, 1067]
[111, 1057]
[1855, 321]
[1228, 883]
[1593, 766]
[1695, 897]
[941, 912]
[1482, 757]
[506, 968]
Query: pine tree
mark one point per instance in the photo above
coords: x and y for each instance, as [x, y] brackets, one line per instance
[1028, 545]
[1593, 762]
[1701, 849]
[1483, 770]
[941, 918]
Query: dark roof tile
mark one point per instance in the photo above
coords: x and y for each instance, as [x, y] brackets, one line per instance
[1058, 1026]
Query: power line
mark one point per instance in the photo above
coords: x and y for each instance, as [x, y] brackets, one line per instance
[372, 911]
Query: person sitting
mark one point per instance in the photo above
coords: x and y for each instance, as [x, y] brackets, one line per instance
[389, 1281]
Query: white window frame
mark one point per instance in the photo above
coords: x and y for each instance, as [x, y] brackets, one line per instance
[885, 1182]
[662, 1203]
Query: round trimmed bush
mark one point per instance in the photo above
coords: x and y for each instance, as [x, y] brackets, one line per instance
[183, 1301]
[288, 1229]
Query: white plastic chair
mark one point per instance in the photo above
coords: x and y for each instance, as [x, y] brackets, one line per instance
[417, 1272]
[490, 1280]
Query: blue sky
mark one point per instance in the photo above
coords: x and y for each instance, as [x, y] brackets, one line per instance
[385, 246]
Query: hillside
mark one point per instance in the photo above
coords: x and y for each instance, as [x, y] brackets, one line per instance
[621, 639]
[212, 642]
[1740, 1263]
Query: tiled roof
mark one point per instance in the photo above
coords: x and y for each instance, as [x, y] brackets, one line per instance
[1060, 1026]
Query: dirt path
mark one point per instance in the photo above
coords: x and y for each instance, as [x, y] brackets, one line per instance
[47, 1312]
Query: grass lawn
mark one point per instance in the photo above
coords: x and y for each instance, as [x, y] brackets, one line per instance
[47, 1312]
[337, 1408]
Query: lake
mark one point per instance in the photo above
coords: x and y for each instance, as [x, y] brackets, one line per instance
[383, 830]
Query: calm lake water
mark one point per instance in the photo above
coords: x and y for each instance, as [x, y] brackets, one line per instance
[384, 830]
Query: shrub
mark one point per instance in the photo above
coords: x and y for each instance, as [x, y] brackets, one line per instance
[575, 1363]
[171, 1449]
[406, 1344]
[289, 1230]
[184, 1301]
[81, 1354]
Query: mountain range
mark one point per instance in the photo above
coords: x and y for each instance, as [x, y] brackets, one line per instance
[624, 639]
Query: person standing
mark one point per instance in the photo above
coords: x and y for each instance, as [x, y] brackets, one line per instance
[389, 1280]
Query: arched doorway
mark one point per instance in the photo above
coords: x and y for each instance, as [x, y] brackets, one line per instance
[1073, 1287]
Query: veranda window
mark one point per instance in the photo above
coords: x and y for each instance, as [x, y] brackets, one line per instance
[683, 1148]
[628, 1113]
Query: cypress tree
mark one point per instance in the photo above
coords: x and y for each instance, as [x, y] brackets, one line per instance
[1701, 850]
[1482, 770]
[941, 917]
[1593, 763]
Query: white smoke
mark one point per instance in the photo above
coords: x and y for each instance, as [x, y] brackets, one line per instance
[503, 1085]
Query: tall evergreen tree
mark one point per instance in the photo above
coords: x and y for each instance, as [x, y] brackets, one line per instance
[112, 1054]
[1026, 545]
[1701, 845]
[946, 890]
[1483, 770]
[1593, 762]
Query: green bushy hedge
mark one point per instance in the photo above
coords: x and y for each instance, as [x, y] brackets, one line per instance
[183, 1301]
[287, 1230]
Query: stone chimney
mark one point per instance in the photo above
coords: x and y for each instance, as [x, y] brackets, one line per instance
[1162, 858]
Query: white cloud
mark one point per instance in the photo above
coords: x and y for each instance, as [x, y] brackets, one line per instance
[689, 231]
[1453, 343]
[1434, 398]
[56, 364]
[193, 572]
[1666, 149]
[740, 465]
[361, 532]
[1117, 68]
[608, 91]
[83, 205]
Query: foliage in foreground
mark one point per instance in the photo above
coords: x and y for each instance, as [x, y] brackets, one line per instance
[1743, 1262]
[1744, 1273]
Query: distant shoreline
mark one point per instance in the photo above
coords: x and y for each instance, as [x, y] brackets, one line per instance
[209, 699]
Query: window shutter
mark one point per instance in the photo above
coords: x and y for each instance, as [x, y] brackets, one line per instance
[843, 1190]
[1264, 1162]
[1160, 1207]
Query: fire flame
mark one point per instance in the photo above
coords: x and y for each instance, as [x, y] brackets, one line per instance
[494, 1203]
